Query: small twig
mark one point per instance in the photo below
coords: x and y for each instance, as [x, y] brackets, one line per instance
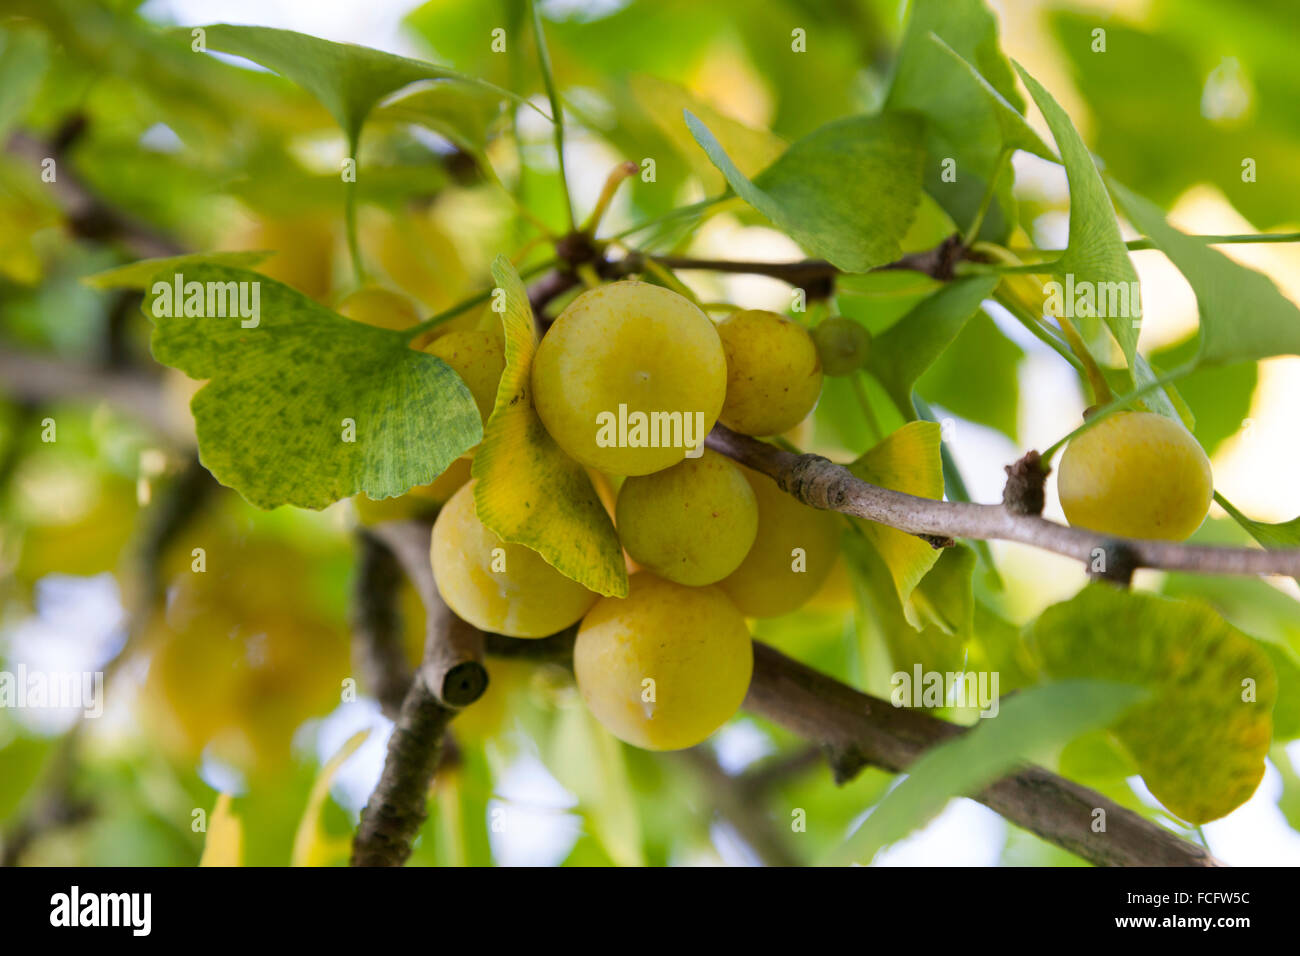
[377, 648]
[453, 658]
[763, 777]
[823, 484]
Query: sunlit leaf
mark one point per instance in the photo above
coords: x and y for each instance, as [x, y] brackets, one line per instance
[1201, 739]
[529, 491]
[224, 845]
[311, 845]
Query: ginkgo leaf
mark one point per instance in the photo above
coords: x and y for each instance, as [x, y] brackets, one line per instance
[311, 845]
[347, 79]
[1096, 254]
[665, 102]
[1244, 316]
[1028, 726]
[224, 845]
[1201, 739]
[24, 58]
[907, 460]
[912, 344]
[304, 407]
[529, 491]
[139, 274]
[855, 221]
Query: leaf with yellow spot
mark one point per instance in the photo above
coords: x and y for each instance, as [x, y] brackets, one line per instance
[908, 460]
[1201, 739]
[312, 846]
[528, 491]
[225, 843]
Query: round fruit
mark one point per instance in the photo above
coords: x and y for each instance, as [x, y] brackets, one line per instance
[497, 586]
[666, 666]
[478, 358]
[842, 345]
[692, 523]
[773, 373]
[380, 307]
[629, 377]
[794, 551]
[1138, 475]
[422, 500]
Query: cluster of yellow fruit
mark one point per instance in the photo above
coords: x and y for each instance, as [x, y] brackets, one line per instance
[710, 542]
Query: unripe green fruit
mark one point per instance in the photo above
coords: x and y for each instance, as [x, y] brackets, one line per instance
[1138, 475]
[793, 553]
[380, 307]
[478, 358]
[842, 345]
[499, 587]
[666, 666]
[774, 376]
[692, 523]
[638, 346]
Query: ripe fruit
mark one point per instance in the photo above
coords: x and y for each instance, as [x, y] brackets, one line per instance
[1136, 474]
[794, 551]
[422, 500]
[666, 666]
[496, 586]
[692, 523]
[377, 306]
[842, 345]
[774, 376]
[623, 354]
[478, 358]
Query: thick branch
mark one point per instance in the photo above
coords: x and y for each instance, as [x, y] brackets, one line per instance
[855, 730]
[823, 484]
[453, 663]
[1060, 811]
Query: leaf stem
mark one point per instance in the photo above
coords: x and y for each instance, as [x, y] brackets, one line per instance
[557, 110]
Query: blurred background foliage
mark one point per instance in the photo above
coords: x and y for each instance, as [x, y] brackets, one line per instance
[232, 682]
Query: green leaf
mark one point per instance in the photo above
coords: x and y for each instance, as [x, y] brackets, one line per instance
[1015, 129]
[1199, 744]
[855, 220]
[24, 58]
[348, 80]
[529, 491]
[462, 113]
[1096, 252]
[901, 355]
[312, 846]
[1219, 397]
[1272, 536]
[665, 102]
[963, 122]
[140, 274]
[907, 460]
[272, 421]
[1243, 315]
[1028, 725]
[977, 377]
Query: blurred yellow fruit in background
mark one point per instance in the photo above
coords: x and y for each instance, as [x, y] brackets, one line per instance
[380, 307]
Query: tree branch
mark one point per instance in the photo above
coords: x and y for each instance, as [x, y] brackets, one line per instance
[377, 649]
[823, 484]
[821, 709]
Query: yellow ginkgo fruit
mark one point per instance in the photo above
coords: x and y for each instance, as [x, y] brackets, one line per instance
[774, 375]
[666, 666]
[375, 305]
[1136, 474]
[497, 586]
[629, 377]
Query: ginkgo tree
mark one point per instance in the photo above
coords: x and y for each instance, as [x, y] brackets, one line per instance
[471, 394]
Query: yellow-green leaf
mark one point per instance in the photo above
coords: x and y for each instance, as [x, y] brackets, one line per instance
[752, 150]
[139, 274]
[311, 845]
[1201, 739]
[908, 460]
[529, 491]
[225, 843]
